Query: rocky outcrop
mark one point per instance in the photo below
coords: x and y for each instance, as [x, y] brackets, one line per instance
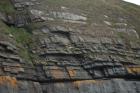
[95, 59]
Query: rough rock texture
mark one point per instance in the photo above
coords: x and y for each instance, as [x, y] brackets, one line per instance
[78, 46]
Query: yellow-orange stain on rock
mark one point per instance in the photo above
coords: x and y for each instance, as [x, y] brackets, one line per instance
[72, 73]
[77, 84]
[8, 80]
[133, 70]
[57, 73]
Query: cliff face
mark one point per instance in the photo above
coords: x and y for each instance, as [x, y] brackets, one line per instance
[69, 46]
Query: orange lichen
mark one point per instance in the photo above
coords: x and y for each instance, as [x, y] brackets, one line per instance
[77, 84]
[57, 73]
[133, 70]
[8, 80]
[72, 72]
[129, 70]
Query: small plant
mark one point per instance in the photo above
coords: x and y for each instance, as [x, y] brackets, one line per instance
[6, 6]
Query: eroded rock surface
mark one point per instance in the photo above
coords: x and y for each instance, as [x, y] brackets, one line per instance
[76, 50]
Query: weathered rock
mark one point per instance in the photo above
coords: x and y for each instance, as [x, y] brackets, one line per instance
[93, 86]
[2, 17]
[79, 51]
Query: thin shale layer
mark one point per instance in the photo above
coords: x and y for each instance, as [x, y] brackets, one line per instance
[78, 46]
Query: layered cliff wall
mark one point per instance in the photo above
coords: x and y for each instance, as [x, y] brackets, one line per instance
[69, 46]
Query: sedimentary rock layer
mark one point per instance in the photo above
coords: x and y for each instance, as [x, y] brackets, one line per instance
[73, 53]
